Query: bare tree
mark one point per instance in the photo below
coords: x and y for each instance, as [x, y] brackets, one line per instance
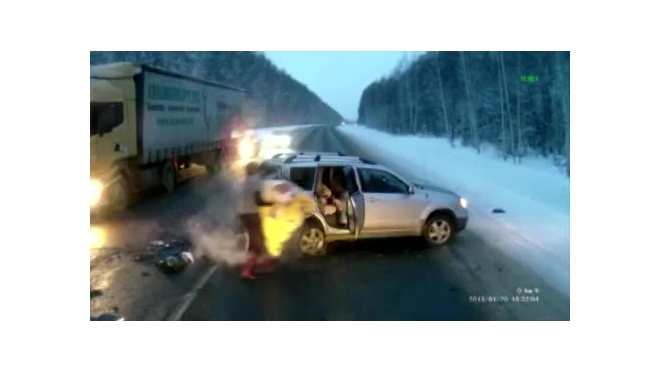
[408, 86]
[471, 115]
[500, 80]
[399, 110]
[567, 131]
[414, 96]
[508, 106]
[519, 113]
[448, 128]
[406, 89]
[564, 104]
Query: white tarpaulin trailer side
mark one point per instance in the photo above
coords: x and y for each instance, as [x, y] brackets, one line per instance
[180, 116]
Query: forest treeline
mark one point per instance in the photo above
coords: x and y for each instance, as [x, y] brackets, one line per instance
[517, 101]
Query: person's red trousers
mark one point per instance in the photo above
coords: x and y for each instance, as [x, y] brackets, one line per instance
[256, 243]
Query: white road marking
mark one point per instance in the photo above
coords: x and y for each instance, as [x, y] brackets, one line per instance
[189, 297]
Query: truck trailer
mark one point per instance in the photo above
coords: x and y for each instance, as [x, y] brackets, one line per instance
[147, 123]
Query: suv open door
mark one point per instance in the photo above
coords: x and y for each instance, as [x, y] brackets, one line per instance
[355, 202]
[356, 214]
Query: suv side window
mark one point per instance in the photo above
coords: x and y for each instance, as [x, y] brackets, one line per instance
[303, 176]
[380, 181]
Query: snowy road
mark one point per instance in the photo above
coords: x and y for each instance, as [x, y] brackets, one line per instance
[393, 279]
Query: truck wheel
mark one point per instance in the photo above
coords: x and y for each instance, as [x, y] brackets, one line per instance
[214, 165]
[118, 194]
[168, 177]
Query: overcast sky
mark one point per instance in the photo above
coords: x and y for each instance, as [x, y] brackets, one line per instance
[337, 77]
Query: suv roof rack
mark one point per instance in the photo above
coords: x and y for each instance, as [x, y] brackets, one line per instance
[285, 156]
[316, 157]
[329, 153]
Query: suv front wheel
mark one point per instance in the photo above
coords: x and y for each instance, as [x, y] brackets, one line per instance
[438, 230]
[312, 239]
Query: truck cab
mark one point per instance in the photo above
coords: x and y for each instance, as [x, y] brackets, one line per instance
[112, 135]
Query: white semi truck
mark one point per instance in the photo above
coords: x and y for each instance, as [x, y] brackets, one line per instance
[147, 123]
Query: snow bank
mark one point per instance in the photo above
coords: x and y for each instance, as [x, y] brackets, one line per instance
[535, 195]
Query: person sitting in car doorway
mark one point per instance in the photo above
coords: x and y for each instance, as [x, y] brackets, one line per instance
[334, 202]
[327, 202]
[339, 200]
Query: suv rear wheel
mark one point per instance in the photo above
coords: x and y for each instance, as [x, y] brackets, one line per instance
[213, 164]
[312, 239]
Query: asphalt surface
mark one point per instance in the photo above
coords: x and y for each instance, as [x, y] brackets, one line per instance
[394, 279]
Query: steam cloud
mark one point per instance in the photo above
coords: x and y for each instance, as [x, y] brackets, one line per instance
[213, 231]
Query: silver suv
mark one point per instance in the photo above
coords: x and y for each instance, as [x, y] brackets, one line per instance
[373, 201]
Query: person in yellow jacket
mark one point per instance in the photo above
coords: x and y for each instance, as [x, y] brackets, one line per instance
[284, 212]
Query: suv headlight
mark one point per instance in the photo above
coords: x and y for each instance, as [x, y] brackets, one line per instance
[463, 202]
